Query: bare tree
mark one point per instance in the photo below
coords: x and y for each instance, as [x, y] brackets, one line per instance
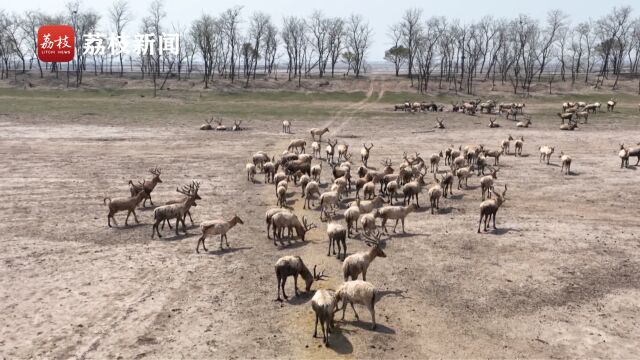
[358, 34]
[120, 16]
[397, 54]
[426, 50]
[555, 21]
[15, 37]
[319, 27]
[411, 25]
[336, 37]
[612, 30]
[257, 29]
[270, 47]
[203, 33]
[230, 24]
[293, 36]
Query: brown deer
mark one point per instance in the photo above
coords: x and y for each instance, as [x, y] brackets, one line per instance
[489, 208]
[148, 186]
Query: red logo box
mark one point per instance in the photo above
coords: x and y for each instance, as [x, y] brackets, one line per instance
[56, 43]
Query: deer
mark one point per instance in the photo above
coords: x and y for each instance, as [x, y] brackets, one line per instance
[207, 126]
[148, 186]
[364, 153]
[489, 208]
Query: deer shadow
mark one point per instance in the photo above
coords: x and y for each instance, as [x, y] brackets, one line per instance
[338, 342]
[500, 231]
[223, 251]
[125, 227]
[178, 237]
[444, 211]
[422, 209]
[291, 244]
[456, 196]
[398, 234]
[552, 164]
[367, 326]
[304, 296]
[289, 204]
[393, 293]
[348, 136]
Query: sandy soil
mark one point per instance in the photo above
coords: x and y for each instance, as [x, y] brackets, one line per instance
[559, 278]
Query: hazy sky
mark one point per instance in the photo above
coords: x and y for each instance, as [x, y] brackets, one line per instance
[380, 14]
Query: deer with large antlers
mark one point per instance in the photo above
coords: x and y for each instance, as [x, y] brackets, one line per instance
[148, 186]
[207, 126]
[177, 211]
[236, 125]
[489, 208]
[331, 149]
[364, 153]
[358, 263]
[290, 221]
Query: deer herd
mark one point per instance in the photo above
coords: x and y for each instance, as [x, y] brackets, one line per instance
[356, 193]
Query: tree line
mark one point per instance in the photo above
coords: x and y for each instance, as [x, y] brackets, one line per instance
[515, 51]
[432, 52]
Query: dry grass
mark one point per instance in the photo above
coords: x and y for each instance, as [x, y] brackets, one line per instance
[559, 278]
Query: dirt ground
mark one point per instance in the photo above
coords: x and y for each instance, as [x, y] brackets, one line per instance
[559, 278]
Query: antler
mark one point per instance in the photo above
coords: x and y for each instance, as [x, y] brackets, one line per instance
[155, 171]
[189, 190]
[186, 190]
[319, 276]
[375, 240]
[306, 225]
